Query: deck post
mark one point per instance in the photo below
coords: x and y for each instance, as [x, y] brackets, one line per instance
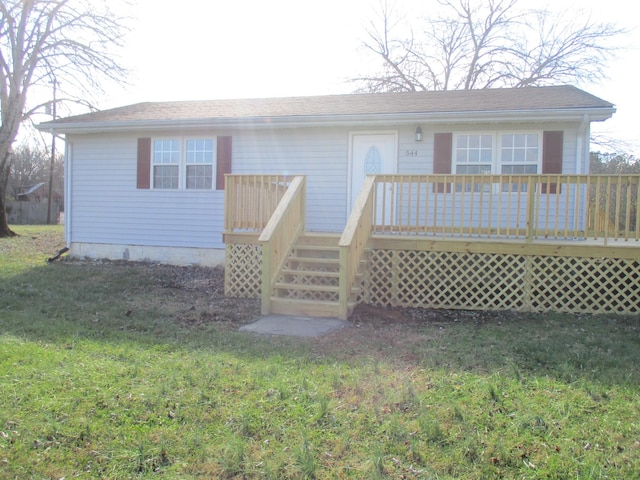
[531, 209]
[265, 291]
[228, 205]
[343, 282]
[527, 287]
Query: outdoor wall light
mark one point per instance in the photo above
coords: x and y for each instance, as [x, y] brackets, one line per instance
[418, 134]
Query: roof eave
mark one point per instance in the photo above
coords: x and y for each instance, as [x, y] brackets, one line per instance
[594, 114]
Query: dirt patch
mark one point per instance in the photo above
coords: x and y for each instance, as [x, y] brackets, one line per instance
[197, 296]
[194, 297]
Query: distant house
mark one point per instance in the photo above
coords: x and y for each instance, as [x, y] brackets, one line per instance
[28, 192]
[37, 193]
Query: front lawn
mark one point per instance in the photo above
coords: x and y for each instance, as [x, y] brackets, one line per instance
[123, 370]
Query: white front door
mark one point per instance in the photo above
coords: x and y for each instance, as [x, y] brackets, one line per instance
[372, 153]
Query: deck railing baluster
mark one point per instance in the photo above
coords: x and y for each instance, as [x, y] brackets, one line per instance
[618, 194]
[627, 223]
[250, 200]
[567, 192]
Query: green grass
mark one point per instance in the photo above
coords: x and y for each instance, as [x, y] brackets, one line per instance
[102, 377]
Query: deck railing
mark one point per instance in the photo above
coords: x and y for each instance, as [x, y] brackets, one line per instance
[279, 235]
[250, 200]
[528, 207]
[615, 201]
[353, 241]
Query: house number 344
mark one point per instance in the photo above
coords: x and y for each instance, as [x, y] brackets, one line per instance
[411, 153]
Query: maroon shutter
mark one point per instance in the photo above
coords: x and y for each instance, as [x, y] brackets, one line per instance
[552, 143]
[442, 151]
[144, 163]
[224, 161]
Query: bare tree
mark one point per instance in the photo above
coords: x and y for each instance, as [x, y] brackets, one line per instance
[43, 41]
[30, 165]
[470, 44]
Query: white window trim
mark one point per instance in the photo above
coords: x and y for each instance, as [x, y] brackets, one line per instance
[182, 163]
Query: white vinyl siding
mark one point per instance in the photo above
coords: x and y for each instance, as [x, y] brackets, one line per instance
[105, 207]
[320, 154]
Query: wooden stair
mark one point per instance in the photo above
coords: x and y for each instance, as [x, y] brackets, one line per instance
[308, 283]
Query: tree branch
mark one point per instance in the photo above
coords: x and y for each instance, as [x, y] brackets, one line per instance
[487, 44]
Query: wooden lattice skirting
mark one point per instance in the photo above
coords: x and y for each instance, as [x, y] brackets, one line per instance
[243, 270]
[489, 281]
[474, 281]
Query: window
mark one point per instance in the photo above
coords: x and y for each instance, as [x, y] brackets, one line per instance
[183, 164]
[199, 164]
[520, 155]
[503, 153]
[473, 156]
[166, 164]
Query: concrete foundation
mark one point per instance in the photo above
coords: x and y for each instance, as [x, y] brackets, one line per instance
[206, 257]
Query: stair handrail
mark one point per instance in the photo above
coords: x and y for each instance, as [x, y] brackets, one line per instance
[280, 234]
[353, 241]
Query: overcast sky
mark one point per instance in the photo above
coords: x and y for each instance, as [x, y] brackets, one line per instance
[208, 49]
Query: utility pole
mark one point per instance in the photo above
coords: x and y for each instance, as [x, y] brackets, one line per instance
[53, 155]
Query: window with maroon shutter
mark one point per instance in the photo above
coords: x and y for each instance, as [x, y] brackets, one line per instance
[183, 163]
[516, 153]
[442, 151]
[552, 143]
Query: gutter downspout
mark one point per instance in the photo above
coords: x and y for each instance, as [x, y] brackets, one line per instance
[582, 146]
[68, 158]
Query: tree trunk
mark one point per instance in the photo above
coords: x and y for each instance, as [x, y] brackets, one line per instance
[5, 231]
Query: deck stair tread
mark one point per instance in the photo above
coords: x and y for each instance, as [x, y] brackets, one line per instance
[327, 248]
[310, 273]
[308, 283]
[327, 261]
[307, 307]
[314, 288]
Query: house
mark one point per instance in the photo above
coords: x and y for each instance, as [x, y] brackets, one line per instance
[147, 181]
[36, 193]
[30, 192]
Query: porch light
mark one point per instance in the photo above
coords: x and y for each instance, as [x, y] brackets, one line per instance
[419, 134]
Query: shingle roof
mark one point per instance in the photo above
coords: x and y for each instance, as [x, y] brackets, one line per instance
[459, 101]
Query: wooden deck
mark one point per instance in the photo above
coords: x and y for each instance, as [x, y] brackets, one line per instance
[440, 241]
